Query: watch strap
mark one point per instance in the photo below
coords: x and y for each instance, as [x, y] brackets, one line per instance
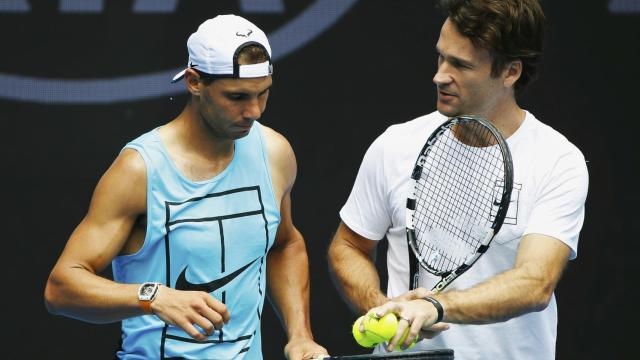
[146, 306]
[438, 307]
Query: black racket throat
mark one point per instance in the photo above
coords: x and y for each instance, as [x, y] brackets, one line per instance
[462, 183]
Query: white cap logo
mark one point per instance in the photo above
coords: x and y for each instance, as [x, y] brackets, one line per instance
[245, 33]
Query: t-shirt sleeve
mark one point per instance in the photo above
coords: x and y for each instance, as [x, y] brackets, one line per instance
[366, 211]
[559, 209]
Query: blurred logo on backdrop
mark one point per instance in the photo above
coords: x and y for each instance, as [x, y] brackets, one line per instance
[624, 7]
[99, 51]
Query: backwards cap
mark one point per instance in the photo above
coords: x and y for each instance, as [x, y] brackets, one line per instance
[214, 48]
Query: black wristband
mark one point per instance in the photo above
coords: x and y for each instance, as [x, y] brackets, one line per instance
[438, 307]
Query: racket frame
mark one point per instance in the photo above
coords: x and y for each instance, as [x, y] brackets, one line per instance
[448, 276]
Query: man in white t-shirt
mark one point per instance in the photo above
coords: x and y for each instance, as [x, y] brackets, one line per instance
[503, 307]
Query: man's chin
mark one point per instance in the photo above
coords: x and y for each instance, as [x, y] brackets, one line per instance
[448, 112]
[238, 132]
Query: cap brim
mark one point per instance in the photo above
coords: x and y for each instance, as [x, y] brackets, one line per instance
[178, 76]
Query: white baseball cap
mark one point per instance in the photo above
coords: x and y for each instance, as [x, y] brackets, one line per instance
[214, 48]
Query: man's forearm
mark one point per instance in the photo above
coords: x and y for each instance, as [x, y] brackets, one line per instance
[504, 296]
[356, 275]
[526, 288]
[288, 282]
[80, 294]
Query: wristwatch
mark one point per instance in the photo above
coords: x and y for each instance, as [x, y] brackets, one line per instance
[146, 294]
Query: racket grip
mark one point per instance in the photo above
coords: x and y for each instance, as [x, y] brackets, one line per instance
[415, 281]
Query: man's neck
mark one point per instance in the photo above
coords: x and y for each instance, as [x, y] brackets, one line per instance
[194, 135]
[507, 116]
[193, 149]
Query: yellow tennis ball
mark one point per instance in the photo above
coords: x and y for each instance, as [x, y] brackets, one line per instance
[380, 329]
[403, 338]
[361, 338]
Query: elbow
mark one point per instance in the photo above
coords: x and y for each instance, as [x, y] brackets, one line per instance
[539, 288]
[331, 253]
[50, 300]
[542, 297]
[52, 296]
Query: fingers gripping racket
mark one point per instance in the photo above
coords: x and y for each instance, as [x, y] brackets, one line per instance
[461, 191]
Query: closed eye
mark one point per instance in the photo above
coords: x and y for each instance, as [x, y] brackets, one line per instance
[459, 63]
[237, 96]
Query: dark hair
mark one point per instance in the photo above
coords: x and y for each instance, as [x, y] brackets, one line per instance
[508, 29]
[250, 54]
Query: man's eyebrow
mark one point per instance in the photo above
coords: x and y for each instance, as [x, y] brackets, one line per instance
[454, 58]
[244, 91]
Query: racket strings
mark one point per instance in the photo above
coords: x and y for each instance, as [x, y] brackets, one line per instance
[455, 196]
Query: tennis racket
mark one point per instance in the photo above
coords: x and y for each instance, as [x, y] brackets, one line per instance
[461, 191]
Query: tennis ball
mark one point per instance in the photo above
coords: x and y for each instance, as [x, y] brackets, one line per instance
[403, 338]
[380, 329]
[361, 338]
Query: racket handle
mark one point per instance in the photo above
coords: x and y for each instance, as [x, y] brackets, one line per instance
[414, 284]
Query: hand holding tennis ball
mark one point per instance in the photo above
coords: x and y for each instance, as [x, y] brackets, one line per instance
[361, 338]
[377, 330]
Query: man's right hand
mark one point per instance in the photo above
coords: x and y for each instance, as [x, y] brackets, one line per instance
[185, 309]
[419, 293]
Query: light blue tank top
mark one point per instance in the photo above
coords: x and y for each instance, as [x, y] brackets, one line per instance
[210, 236]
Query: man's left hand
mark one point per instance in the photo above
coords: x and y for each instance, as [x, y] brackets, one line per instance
[303, 349]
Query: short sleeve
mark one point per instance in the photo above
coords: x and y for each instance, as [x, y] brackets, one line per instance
[559, 208]
[367, 209]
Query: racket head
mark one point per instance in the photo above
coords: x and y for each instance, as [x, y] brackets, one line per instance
[460, 192]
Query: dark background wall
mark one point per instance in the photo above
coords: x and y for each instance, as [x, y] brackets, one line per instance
[331, 97]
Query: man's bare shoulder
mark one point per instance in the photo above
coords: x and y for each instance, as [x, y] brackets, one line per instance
[282, 160]
[130, 162]
[128, 166]
[276, 142]
[124, 184]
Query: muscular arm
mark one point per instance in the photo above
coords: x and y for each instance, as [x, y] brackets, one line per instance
[74, 289]
[287, 262]
[351, 261]
[526, 288]
[288, 276]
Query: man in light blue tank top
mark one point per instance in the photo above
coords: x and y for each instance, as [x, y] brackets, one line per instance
[191, 214]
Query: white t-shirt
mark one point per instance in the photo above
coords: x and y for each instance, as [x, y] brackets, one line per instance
[549, 192]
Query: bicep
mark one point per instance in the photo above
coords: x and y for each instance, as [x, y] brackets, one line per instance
[282, 164]
[287, 233]
[345, 237]
[118, 200]
[560, 203]
[283, 170]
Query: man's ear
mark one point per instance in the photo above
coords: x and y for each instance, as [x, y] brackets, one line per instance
[192, 80]
[512, 72]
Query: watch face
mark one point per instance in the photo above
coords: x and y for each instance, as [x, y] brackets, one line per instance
[147, 291]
